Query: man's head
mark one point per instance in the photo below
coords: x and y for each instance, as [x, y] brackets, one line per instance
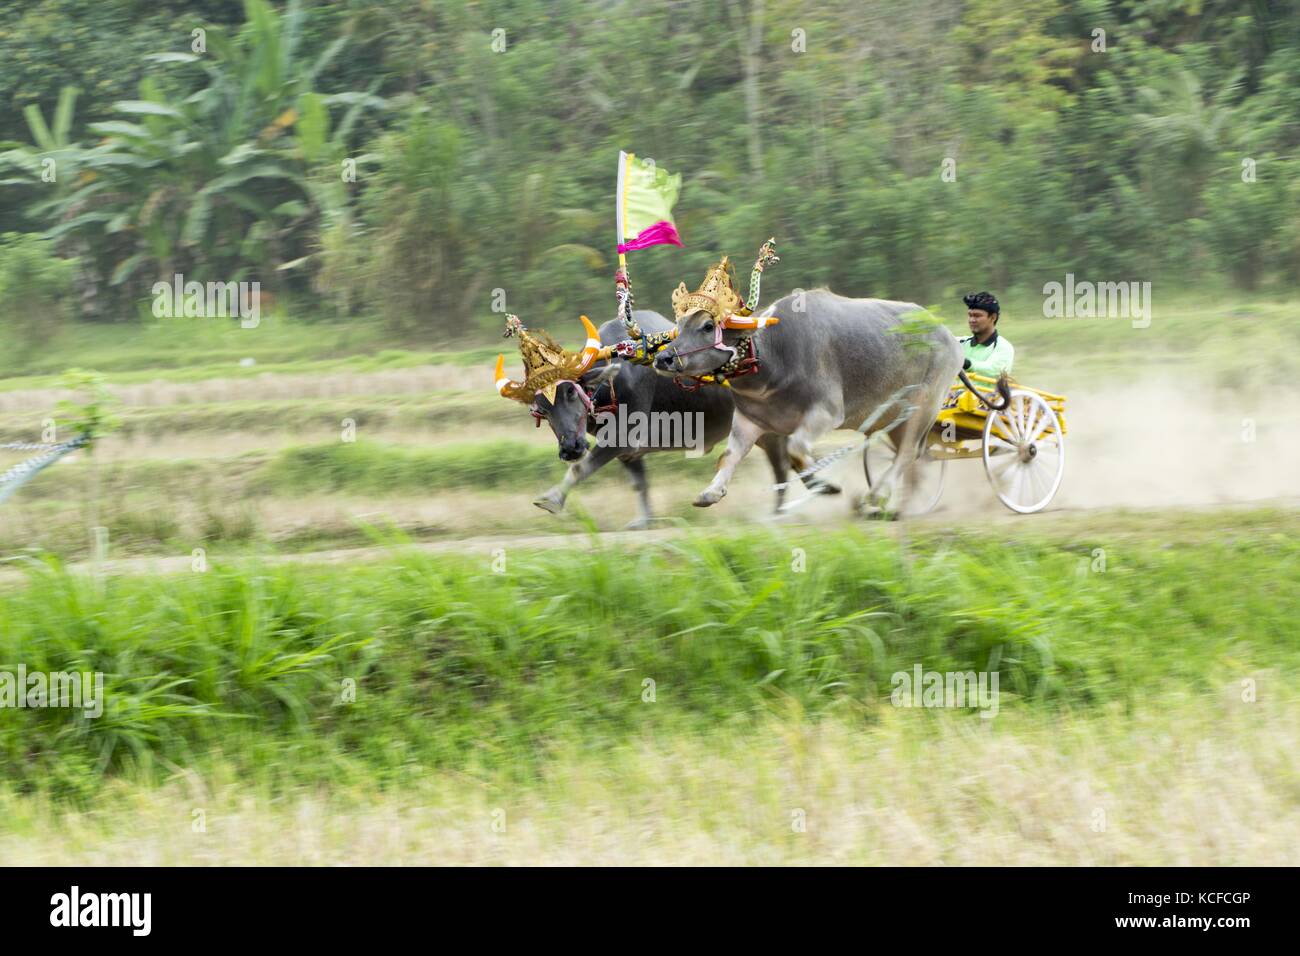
[982, 312]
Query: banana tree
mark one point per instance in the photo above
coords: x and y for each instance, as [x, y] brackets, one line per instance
[215, 169]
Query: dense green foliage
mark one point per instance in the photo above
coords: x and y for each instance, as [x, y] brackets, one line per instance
[35, 291]
[484, 134]
[459, 662]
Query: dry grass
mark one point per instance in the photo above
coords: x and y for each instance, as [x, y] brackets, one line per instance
[1201, 782]
[271, 386]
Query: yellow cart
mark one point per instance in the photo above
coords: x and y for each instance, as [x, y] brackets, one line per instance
[1023, 447]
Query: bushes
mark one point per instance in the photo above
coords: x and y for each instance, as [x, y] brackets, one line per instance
[35, 290]
[492, 173]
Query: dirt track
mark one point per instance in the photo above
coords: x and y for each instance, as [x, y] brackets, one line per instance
[1154, 446]
[1057, 522]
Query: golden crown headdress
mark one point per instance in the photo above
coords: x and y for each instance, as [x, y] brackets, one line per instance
[716, 295]
[546, 364]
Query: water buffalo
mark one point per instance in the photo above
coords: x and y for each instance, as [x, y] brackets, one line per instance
[631, 390]
[829, 363]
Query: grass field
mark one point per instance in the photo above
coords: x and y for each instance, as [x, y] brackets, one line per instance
[1188, 783]
[478, 691]
[486, 699]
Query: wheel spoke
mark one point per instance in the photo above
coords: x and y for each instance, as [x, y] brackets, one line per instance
[1001, 443]
[1017, 489]
[1042, 425]
[1007, 424]
[1012, 420]
[1041, 481]
[1026, 406]
[1039, 422]
[1000, 465]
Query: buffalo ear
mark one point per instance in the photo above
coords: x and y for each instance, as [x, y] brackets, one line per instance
[598, 377]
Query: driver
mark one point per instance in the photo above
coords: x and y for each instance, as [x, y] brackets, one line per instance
[987, 353]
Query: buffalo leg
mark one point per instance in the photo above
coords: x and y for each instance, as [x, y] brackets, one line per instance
[816, 422]
[743, 435]
[907, 438]
[814, 484]
[636, 472]
[580, 470]
[778, 457]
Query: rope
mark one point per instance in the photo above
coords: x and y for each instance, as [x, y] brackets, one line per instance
[25, 471]
[30, 445]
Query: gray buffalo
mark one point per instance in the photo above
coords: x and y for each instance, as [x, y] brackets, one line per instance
[829, 363]
[616, 389]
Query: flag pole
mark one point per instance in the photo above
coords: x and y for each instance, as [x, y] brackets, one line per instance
[620, 217]
[620, 206]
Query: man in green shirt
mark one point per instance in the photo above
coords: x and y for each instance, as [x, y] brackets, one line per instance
[987, 353]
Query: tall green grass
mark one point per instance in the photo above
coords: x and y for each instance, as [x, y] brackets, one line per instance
[458, 665]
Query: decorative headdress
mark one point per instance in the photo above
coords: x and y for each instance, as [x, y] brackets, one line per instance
[716, 294]
[546, 364]
[718, 297]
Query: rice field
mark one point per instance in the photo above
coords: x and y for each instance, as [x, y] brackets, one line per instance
[332, 628]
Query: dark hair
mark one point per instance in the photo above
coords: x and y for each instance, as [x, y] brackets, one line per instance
[982, 300]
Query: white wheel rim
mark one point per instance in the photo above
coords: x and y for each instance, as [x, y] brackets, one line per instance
[921, 499]
[1026, 462]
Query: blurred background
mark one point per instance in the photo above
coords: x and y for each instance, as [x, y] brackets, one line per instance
[396, 176]
[485, 133]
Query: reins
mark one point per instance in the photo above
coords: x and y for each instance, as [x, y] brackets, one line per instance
[735, 367]
[588, 397]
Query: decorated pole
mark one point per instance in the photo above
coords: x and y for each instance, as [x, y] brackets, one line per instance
[620, 210]
[643, 214]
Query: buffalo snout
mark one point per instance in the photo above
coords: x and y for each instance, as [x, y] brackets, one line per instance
[571, 449]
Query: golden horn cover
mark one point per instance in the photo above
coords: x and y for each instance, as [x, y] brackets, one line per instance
[591, 348]
[546, 364]
[508, 388]
[749, 321]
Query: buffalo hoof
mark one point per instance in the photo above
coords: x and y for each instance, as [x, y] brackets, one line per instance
[873, 509]
[709, 497]
[824, 487]
[547, 503]
[638, 524]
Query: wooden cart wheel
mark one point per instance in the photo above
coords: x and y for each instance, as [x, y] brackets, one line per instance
[1024, 453]
[922, 488]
